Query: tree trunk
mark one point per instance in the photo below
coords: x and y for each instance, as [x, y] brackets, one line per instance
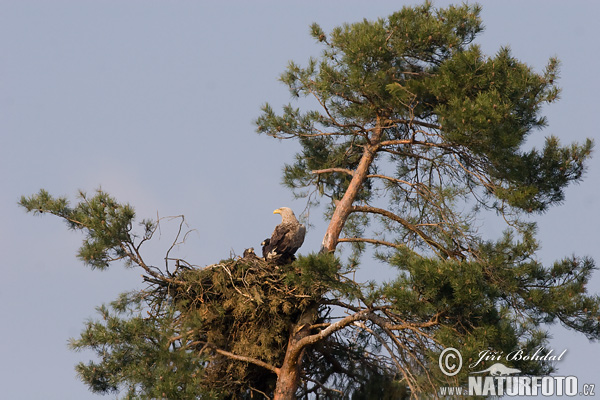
[289, 373]
[344, 206]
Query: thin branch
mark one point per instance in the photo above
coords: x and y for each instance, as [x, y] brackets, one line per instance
[319, 326]
[389, 178]
[322, 103]
[310, 135]
[411, 142]
[416, 122]
[329, 170]
[260, 392]
[319, 384]
[174, 242]
[381, 340]
[372, 241]
[226, 353]
[250, 360]
[336, 302]
[406, 372]
[432, 243]
[336, 326]
[415, 326]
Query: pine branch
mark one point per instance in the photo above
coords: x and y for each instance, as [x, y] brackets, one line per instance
[331, 329]
[388, 214]
[372, 241]
[330, 170]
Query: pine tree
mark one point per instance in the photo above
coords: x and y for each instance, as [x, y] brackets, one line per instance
[415, 132]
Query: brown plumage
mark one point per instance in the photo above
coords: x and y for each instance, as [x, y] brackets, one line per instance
[249, 253]
[285, 240]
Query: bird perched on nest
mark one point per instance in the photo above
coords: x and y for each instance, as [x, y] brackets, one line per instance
[285, 240]
[249, 253]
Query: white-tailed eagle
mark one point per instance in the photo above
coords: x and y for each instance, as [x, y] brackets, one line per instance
[285, 240]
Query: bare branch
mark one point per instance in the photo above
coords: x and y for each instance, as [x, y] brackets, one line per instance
[411, 142]
[329, 170]
[336, 326]
[225, 353]
[432, 243]
[372, 241]
[381, 340]
[325, 388]
[250, 360]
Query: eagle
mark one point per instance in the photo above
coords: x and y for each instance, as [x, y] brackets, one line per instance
[285, 240]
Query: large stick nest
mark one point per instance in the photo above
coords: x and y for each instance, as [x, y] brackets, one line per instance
[245, 306]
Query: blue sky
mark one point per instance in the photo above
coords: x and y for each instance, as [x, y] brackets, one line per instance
[154, 101]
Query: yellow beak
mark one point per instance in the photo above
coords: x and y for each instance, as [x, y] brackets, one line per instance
[278, 211]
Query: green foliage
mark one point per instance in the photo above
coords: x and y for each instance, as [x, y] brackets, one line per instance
[322, 271]
[497, 302]
[168, 340]
[176, 339]
[137, 356]
[245, 307]
[417, 75]
[490, 105]
[435, 131]
[449, 127]
[161, 342]
[106, 223]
